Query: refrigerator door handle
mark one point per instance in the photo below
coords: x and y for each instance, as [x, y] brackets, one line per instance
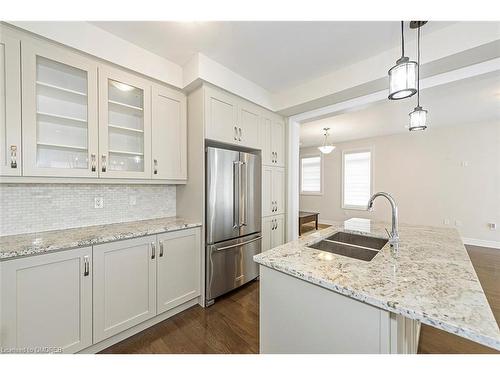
[243, 196]
[236, 194]
[238, 244]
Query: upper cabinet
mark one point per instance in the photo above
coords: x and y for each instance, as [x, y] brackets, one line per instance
[10, 105]
[169, 134]
[273, 140]
[230, 119]
[124, 125]
[59, 112]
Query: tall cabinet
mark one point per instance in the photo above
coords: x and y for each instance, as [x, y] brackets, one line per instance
[10, 105]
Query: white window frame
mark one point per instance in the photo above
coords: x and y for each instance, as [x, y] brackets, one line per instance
[354, 151]
[311, 155]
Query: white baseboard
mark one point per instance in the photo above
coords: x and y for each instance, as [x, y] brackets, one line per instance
[483, 243]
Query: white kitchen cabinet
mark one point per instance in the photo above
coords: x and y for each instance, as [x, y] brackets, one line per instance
[273, 191]
[169, 134]
[273, 140]
[59, 110]
[221, 116]
[230, 119]
[10, 105]
[124, 125]
[46, 302]
[273, 232]
[178, 268]
[248, 125]
[124, 285]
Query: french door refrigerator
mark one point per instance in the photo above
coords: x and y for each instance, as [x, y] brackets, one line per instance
[233, 219]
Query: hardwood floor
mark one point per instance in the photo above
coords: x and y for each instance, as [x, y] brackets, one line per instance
[231, 325]
[310, 228]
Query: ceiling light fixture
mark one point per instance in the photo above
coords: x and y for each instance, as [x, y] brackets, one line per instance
[418, 118]
[326, 148]
[402, 76]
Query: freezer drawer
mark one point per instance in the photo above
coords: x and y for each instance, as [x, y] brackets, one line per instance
[230, 264]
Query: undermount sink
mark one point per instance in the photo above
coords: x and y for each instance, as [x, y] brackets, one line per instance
[351, 245]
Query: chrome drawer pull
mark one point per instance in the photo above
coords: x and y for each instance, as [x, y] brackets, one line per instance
[13, 156]
[161, 249]
[153, 250]
[86, 265]
[103, 162]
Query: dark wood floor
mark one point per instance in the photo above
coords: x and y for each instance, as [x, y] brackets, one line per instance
[231, 325]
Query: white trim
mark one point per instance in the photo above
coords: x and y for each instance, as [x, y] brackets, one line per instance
[369, 149]
[483, 243]
[293, 179]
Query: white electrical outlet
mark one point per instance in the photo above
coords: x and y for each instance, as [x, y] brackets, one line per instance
[492, 226]
[98, 202]
[446, 221]
[458, 223]
[132, 200]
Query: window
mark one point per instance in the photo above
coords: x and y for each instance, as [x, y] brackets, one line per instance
[310, 171]
[357, 179]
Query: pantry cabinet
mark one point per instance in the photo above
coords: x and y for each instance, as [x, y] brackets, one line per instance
[169, 134]
[229, 119]
[273, 140]
[273, 232]
[10, 105]
[178, 268]
[124, 125]
[124, 285]
[60, 136]
[273, 191]
[46, 302]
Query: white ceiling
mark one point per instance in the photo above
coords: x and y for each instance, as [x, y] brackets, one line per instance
[471, 100]
[275, 55]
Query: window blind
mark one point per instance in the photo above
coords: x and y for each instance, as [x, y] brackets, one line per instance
[311, 174]
[357, 178]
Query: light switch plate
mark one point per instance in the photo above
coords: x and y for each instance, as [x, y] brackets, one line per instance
[98, 202]
[132, 200]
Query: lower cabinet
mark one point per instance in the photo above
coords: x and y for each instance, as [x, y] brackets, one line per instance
[69, 300]
[124, 285]
[178, 268]
[273, 231]
[46, 302]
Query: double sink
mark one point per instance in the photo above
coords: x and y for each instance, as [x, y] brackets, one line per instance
[351, 245]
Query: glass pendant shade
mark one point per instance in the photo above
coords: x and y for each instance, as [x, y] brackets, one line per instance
[326, 149]
[403, 79]
[418, 119]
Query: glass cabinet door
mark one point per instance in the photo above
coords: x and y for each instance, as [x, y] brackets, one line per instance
[60, 111]
[10, 105]
[125, 124]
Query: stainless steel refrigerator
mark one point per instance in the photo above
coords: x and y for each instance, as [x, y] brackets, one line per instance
[233, 219]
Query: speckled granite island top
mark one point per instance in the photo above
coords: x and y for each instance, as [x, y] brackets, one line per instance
[38, 243]
[430, 278]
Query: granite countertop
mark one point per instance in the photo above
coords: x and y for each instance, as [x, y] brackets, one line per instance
[430, 278]
[21, 245]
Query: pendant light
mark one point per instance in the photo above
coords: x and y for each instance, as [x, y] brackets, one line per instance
[402, 76]
[418, 118]
[326, 148]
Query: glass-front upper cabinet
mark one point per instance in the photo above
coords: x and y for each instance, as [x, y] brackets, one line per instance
[124, 125]
[59, 112]
[10, 104]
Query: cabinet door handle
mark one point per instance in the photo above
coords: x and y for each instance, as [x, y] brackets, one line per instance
[92, 162]
[155, 162]
[86, 265]
[13, 156]
[103, 162]
[239, 138]
[161, 249]
[235, 133]
[153, 250]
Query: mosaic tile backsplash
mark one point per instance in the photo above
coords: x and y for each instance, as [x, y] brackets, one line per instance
[26, 208]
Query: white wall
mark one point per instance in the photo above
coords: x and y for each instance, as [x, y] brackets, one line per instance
[424, 173]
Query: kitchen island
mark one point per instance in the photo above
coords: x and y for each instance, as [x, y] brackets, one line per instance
[313, 301]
